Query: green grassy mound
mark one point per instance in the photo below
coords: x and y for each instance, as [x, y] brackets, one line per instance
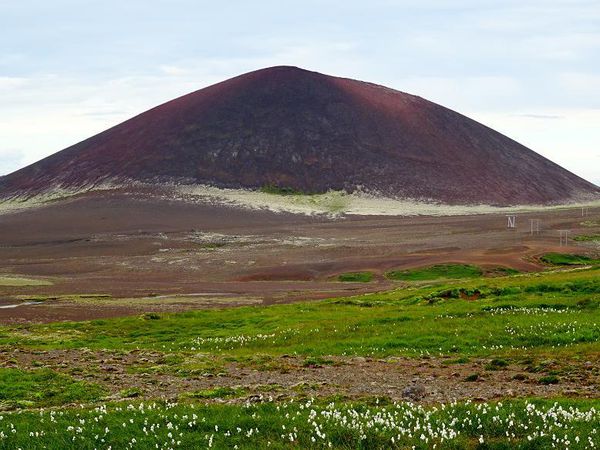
[587, 238]
[43, 387]
[528, 314]
[448, 271]
[360, 277]
[566, 259]
[12, 280]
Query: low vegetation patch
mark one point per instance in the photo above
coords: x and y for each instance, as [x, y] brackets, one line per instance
[590, 223]
[566, 259]
[218, 392]
[280, 190]
[43, 387]
[130, 393]
[587, 238]
[356, 277]
[317, 361]
[447, 271]
[501, 272]
[11, 280]
[496, 364]
[549, 379]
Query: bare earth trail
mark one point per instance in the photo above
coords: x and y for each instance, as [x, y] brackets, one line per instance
[428, 380]
[115, 254]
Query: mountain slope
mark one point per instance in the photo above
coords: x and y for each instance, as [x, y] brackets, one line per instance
[293, 128]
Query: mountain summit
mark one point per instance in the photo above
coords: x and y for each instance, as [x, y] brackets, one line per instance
[292, 128]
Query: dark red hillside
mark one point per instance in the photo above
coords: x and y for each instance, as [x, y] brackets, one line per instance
[293, 128]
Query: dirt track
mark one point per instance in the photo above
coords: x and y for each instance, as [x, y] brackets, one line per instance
[138, 250]
[428, 380]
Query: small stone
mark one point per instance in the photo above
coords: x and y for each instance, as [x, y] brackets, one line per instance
[570, 392]
[255, 398]
[414, 392]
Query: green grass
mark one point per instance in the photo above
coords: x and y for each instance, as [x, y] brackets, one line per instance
[218, 392]
[360, 277]
[212, 245]
[525, 314]
[502, 271]
[368, 424]
[281, 190]
[472, 377]
[130, 393]
[525, 317]
[590, 223]
[549, 379]
[11, 280]
[587, 238]
[566, 259]
[43, 387]
[446, 271]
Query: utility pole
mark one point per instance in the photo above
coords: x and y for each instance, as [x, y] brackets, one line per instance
[512, 221]
[534, 226]
[564, 237]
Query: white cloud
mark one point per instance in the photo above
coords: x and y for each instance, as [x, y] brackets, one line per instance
[173, 70]
[570, 138]
[7, 83]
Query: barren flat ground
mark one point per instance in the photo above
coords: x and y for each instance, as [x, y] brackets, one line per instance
[125, 255]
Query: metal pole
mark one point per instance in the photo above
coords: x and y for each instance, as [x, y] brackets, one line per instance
[564, 238]
[512, 221]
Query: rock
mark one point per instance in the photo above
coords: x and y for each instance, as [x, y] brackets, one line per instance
[570, 392]
[414, 392]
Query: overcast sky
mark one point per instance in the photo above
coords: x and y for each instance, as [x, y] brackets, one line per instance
[531, 70]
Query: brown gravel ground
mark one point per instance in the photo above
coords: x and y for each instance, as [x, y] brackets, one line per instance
[136, 251]
[425, 380]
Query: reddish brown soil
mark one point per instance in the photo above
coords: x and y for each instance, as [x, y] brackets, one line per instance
[135, 250]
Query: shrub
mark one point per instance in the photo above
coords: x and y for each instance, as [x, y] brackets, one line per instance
[549, 379]
[452, 271]
[356, 277]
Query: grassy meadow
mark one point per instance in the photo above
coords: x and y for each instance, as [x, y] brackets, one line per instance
[541, 313]
[435, 312]
[307, 424]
